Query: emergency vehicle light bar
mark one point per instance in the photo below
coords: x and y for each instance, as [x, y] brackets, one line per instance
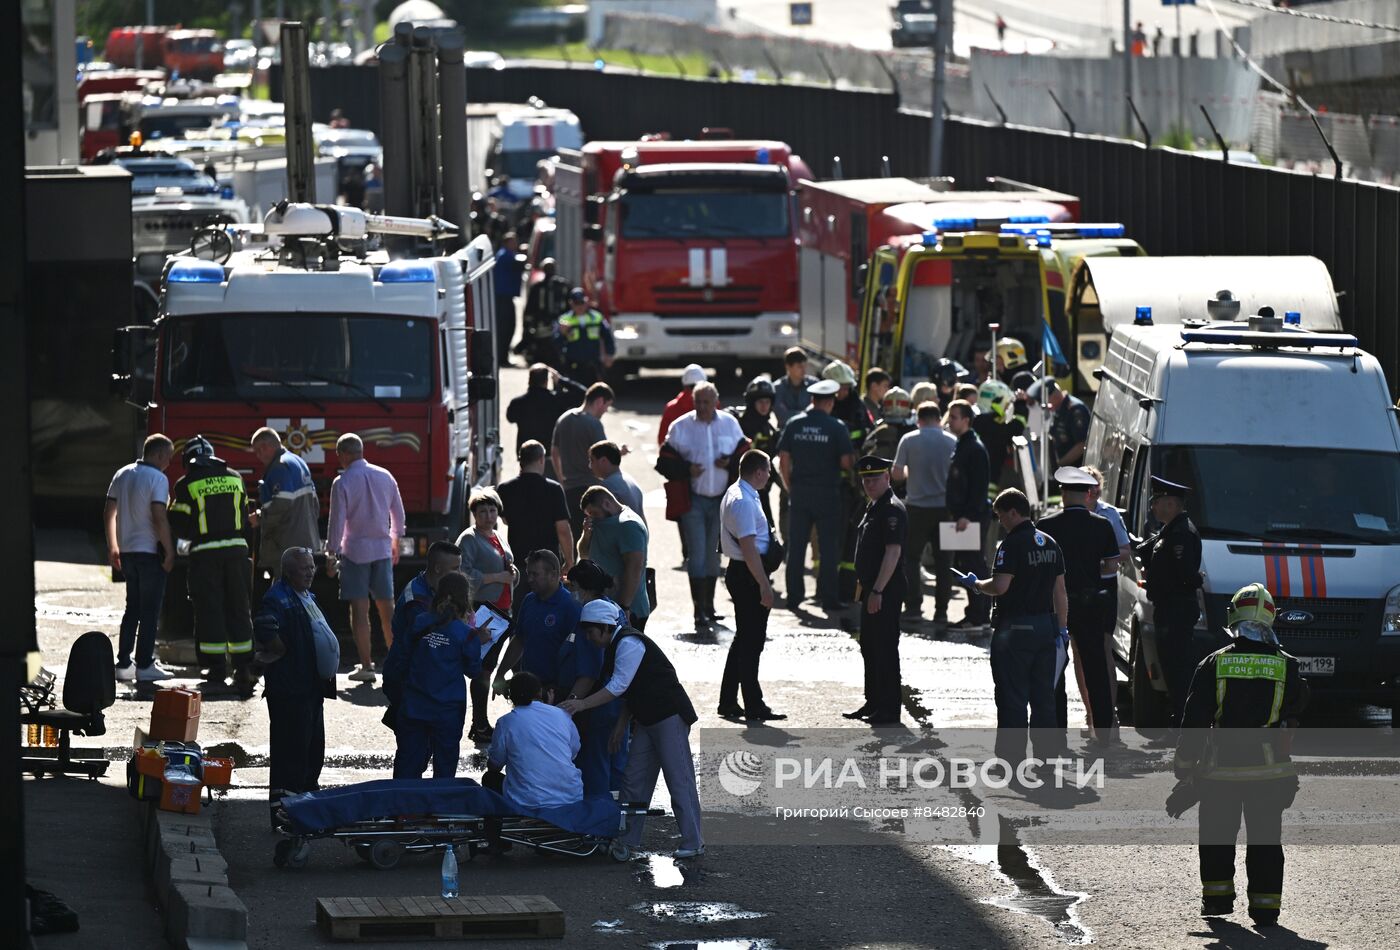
[1267, 339]
[195, 272]
[407, 272]
[1066, 230]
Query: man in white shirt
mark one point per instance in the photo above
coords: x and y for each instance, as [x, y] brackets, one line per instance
[745, 536]
[636, 671]
[140, 547]
[536, 744]
[705, 438]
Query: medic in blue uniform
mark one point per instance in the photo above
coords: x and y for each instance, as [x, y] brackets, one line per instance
[425, 678]
[578, 659]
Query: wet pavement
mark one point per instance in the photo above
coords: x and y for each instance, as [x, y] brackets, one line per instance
[876, 887]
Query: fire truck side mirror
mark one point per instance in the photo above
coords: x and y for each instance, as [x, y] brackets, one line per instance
[593, 232]
[481, 388]
[133, 365]
[482, 350]
[592, 208]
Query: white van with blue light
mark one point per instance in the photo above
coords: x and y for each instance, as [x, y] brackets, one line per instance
[1289, 442]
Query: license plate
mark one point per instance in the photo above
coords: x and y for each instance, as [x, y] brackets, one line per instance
[713, 346]
[1317, 665]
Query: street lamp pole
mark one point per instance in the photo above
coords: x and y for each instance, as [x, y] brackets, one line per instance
[942, 46]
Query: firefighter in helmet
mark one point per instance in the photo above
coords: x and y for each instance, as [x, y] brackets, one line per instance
[756, 421]
[208, 509]
[1011, 358]
[896, 420]
[1234, 752]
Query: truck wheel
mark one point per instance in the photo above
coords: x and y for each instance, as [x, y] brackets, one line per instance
[1150, 712]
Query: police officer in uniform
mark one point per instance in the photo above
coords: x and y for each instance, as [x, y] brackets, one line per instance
[850, 410]
[207, 509]
[1172, 559]
[585, 340]
[1030, 627]
[1248, 692]
[879, 563]
[1091, 551]
[814, 455]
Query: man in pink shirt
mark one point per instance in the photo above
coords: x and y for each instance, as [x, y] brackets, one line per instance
[366, 522]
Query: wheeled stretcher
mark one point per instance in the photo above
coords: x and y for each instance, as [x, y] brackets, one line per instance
[384, 819]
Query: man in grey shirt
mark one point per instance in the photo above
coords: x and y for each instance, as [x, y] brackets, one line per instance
[605, 459]
[921, 462]
[574, 434]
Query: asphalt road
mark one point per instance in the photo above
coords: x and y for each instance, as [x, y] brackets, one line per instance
[843, 883]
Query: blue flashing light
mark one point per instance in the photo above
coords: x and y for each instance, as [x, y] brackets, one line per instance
[1103, 231]
[762, 157]
[407, 272]
[1028, 219]
[226, 192]
[929, 238]
[954, 224]
[1042, 238]
[1293, 318]
[195, 272]
[1027, 230]
[1143, 317]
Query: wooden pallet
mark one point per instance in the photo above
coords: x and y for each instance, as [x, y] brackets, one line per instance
[432, 918]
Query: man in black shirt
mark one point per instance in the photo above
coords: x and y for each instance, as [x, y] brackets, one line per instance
[1030, 626]
[1091, 551]
[1069, 422]
[878, 559]
[534, 510]
[535, 411]
[1172, 560]
[968, 475]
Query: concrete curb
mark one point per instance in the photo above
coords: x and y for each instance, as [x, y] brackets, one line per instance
[191, 881]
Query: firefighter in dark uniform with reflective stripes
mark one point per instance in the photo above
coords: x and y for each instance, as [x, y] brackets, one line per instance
[1249, 692]
[1172, 559]
[879, 561]
[207, 509]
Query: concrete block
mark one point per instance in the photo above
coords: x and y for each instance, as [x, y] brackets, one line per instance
[189, 869]
[213, 943]
[172, 822]
[202, 911]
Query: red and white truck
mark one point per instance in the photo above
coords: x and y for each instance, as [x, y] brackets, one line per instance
[688, 248]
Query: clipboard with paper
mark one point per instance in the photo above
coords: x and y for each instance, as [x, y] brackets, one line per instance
[493, 620]
[951, 539]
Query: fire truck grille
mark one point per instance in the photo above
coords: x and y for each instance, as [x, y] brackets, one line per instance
[736, 298]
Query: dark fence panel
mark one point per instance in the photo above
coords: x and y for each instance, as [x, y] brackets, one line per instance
[1173, 202]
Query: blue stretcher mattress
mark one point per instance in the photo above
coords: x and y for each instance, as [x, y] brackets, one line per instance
[332, 808]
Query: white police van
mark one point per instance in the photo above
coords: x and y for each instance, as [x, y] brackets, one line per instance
[1290, 444]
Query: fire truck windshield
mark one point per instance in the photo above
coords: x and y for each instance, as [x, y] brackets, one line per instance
[666, 213]
[300, 357]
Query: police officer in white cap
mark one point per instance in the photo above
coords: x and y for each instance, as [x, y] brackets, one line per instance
[1091, 550]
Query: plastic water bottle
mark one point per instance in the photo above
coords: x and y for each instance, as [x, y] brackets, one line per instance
[449, 873]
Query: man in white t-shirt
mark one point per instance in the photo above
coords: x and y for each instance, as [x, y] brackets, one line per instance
[139, 546]
[536, 744]
[706, 439]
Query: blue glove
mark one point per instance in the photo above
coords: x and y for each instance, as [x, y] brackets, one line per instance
[968, 580]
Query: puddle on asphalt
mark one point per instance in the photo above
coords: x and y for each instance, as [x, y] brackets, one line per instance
[726, 943]
[663, 872]
[1036, 893]
[697, 912]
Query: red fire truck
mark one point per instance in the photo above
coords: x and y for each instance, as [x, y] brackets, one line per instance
[689, 248]
[845, 222]
[193, 54]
